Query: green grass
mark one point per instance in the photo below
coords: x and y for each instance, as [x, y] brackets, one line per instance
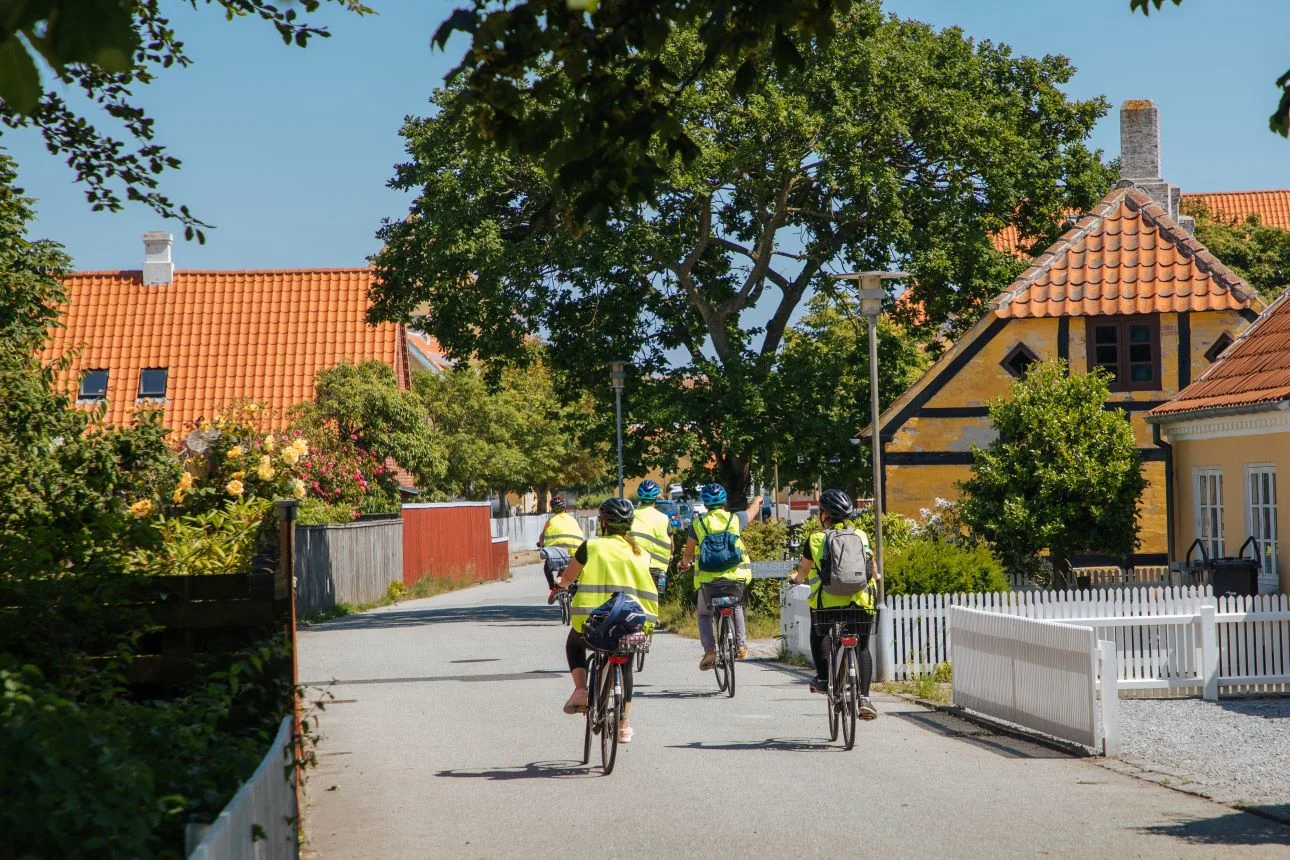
[426, 587]
[681, 619]
[934, 687]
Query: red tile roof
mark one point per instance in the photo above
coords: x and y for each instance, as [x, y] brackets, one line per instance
[1272, 207]
[1127, 256]
[430, 349]
[1254, 369]
[221, 336]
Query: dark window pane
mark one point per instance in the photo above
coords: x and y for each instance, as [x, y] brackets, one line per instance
[1140, 372]
[93, 385]
[1107, 355]
[1139, 334]
[1140, 352]
[152, 382]
[1105, 334]
[1112, 370]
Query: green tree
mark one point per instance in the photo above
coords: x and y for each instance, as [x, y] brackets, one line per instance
[1063, 476]
[517, 435]
[1256, 251]
[896, 144]
[820, 392]
[106, 49]
[362, 404]
[1279, 121]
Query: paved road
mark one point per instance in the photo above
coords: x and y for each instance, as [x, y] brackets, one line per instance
[446, 739]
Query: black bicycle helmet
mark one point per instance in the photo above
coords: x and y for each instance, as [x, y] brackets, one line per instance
[617, 514]
[837, 505]
[557, 503]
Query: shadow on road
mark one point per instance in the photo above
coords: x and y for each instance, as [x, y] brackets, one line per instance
[673, 694]
[532, 770]
[952, 727]
[446, 615]
[531, 675]
[770, 744]
[1235, 828]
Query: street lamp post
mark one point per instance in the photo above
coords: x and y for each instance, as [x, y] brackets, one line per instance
[871, 295]
[618, 375]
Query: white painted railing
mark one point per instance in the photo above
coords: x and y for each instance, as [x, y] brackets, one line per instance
[260, 822]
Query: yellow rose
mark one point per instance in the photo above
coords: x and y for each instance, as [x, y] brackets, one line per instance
[234, 452]
[265, 471]
[185, 483]
[289, 456]
[237, 476]
[141, 508]
[301, 446]
[206, 426]
[298, 488]
[234, 487]
[254, 407]
[177, 497]
[270, 443]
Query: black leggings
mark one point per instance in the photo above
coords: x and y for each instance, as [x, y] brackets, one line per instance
[821, 658]
[575, 651]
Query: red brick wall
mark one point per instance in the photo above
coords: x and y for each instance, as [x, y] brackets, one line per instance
[451, 540]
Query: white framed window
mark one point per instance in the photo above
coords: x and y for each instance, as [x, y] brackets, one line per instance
[1261, 495]
[1208, 505]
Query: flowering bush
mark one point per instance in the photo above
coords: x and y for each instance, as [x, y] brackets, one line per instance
[228, 458]
[340, 472]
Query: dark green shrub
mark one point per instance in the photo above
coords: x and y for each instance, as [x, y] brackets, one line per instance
[934, 567]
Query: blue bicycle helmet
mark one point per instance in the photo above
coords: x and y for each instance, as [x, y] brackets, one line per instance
[712, 495]
[648, 491]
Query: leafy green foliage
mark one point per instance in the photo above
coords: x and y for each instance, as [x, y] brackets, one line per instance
[106, 49]
[518, 435]
[924, 566]
[1279, 122]
[219, 541]
[1063, 476]
[765, 541]
[314, 511]
[896, 144]
[1257, 252]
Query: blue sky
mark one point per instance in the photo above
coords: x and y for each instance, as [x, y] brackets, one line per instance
[287, 151]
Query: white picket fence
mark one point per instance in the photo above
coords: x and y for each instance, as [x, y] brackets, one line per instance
[260, 822]
[1162, 638]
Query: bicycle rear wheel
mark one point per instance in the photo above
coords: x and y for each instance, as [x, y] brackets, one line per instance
[720, 668]
[640, 658]
[850, 696]
[830, 699]
[611, 711]
[565, 612]
[730, 657]
[590, 714]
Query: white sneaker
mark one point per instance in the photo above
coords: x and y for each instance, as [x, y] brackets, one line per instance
[625, 733]
[867, 711]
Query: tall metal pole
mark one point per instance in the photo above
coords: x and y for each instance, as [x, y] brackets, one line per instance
[618, 410]
[875, 441]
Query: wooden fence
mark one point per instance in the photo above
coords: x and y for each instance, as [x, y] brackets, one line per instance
[452, 540]
[351, 563]
[1115, 577]
[260, 821]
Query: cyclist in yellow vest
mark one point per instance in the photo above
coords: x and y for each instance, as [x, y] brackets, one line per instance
[717, 520]
[653, 531]
[563, 531]
[835, 510]
[601, 567]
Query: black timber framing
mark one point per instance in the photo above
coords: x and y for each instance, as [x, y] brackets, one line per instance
[964, 458]
[984, 411]
[1184, 349]
[1248, 314]
[1064, 341]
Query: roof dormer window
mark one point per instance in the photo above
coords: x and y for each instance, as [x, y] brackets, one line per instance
[1223, 342]
[94, 384]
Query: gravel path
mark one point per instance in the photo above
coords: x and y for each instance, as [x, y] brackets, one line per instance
[1234, 750]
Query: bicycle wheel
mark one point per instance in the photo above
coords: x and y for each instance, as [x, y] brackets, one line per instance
[640, 659]
[730, 657]
[611, 710]
[590, 714]
[719, 668]
[846, 683]
[830, 698]
[566, 613]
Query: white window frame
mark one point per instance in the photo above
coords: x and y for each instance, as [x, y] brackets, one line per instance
[1204, 512]
[1261, 516]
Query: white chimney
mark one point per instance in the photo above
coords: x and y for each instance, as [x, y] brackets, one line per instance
[158, 267]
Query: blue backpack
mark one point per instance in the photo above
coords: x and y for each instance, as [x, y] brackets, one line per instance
[719, 551]
[612, 620]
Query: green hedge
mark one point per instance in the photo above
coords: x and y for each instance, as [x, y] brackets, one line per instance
[933, 566]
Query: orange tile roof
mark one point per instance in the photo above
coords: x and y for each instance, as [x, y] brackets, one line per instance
[222, 335]
[430, 349]
[1272, 207]
[1254, 369]
[1127, 256]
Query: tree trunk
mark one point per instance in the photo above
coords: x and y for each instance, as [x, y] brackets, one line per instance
[736, 472]
[542, 492]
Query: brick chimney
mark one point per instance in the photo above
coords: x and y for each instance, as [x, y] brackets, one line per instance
[158, 268]
[1140, 157]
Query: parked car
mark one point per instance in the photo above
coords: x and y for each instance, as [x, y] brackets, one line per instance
[673, 514]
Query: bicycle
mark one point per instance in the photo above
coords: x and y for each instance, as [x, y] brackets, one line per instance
[661, 582]
[605, 703]
[724, 596]
[793, 548]
[556, 560]
[844, 626]
[564, 597]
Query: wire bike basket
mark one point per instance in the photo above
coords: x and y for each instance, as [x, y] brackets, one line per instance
[854, 621]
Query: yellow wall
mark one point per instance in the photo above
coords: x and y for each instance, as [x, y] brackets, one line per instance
[1232, 455]
[910, 488]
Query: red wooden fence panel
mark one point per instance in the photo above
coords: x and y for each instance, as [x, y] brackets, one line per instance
[501, 557]
[450, 540]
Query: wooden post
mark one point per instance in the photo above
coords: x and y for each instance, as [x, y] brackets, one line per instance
[1110, 700]
[284, 593]
[1209, 652]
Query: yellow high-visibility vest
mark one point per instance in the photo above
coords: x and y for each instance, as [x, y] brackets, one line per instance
[562, 530]
[712, 523]
[821, 599]
[653, 531]
[613, 566]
